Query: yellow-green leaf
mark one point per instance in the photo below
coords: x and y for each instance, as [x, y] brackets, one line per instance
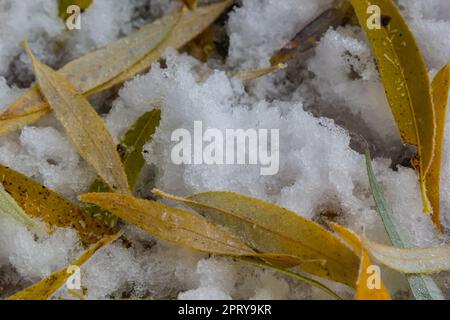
[45, 288]
[247, 75]
[10, 208]
[42, 203]
[411, 260]
[83, 125]
[116, 62]
[440, 87]
[131, 146]
[170, 224]
[269, 228]
[405, 79]
[363, 291]
[64, 4]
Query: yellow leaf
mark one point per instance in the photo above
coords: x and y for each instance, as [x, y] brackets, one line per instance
[440, 87]
[363, 291]
[411, 260]
[269, 228]
[83, 125]
[170, 224]
[45, 288]
[39, 202]
[117, 63]
[405, 79]
[246, 75]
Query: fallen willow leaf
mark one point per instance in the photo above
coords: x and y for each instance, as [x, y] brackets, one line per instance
[440, 87]
[422, 287]
[363, 292]
[42, 203]
[131, 146]
[170, 224]
[406, 81]
[307, 38]
[64, 4]
[247, 75]
[117, 63]
[10, 208]
[45, 288]
[411, 260]
[269, 228]
[83, 125]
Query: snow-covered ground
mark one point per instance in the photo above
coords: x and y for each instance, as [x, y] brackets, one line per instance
[326, 105]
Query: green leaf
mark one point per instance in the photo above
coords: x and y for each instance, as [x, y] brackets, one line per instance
[10, 208]
[131, 146]
[423, 287]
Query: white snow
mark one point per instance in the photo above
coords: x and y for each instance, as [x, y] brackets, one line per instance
[330, 95]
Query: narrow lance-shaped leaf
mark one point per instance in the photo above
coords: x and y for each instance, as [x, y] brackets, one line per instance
[170, 224]
[42, 203]
[423, 287]
[83, 125]
[269, 228]
[45, 288]
[363, 291]
[131, 146]
[10, 208]
[440, 87]
[117, 62]
[193, 231]
[405, 79]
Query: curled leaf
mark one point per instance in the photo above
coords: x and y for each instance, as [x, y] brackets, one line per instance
[405, 79]
[363, 290]
[170, 224]
[42, 203]
[269, 228]
[117, 62]
[45, 288]
[83, 125]
[247, 75]
[423, 287]
[10, 208]
[411, 260]
[440, 87]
